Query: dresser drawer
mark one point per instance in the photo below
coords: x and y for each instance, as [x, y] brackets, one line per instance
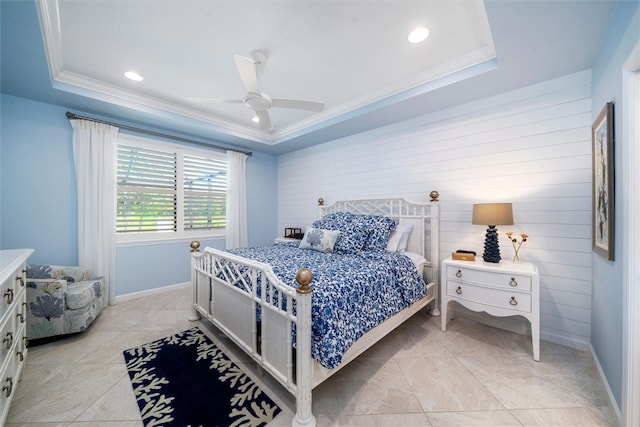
[8, 383]
[502, 280]
[499, 298]
[11, 289]
[8, 334]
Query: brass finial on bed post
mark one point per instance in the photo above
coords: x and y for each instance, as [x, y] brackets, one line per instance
[320, 201]
[304, 278]
[194, 246]
[434, 196]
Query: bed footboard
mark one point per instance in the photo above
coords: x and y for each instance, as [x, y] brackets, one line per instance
[236, 295]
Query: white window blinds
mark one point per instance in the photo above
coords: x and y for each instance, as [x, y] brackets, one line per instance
[205, 193]
[146, 190]
[169, 191]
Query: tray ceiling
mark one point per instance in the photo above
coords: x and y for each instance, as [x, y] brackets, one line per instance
[351, 56]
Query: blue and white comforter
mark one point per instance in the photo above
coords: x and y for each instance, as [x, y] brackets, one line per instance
[352, 293]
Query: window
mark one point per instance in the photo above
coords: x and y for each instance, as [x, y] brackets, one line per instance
[167, 191]
[205, 193]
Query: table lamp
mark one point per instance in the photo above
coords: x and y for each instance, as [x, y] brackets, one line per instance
[492, 214]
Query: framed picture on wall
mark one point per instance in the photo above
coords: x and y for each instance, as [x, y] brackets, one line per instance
[603, 182]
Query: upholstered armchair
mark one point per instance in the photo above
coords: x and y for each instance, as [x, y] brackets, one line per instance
[61, 300]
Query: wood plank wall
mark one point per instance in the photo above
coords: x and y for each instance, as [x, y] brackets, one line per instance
[531, 147]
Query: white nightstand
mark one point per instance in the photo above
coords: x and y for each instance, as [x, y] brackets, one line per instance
[501, 289]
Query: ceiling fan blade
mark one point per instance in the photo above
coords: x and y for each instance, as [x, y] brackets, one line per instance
[265, 120]
[297, 104]
[215, 100]
[248, 73]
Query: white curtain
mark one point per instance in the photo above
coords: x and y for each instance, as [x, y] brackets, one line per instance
[236, 200]
[94, 148]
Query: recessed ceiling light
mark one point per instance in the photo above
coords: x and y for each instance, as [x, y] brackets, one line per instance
[418, 35]
[256, 119]
[132, 75]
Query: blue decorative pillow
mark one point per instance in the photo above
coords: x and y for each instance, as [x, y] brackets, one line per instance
[354, 230]
[352, 238]
[334, 221]
[381, 227]
[319, 240]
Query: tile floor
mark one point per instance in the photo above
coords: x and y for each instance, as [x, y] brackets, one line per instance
[472, 375]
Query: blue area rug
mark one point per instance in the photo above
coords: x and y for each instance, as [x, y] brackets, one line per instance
[185, 380]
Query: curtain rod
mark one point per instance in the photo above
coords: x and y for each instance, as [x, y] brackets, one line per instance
[71, 115]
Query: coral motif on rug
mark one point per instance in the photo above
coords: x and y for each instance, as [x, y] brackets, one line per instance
[186, 380]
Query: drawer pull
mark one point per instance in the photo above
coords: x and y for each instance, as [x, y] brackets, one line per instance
[9, 387]
[20, 317]
[8, 340]
[513, 301]
[8, 295]
[459, 274]
[20, 356]
[513, 282]
[459, 290]
[21, 280]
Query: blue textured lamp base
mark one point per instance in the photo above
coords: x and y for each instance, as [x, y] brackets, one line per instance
[491, 248]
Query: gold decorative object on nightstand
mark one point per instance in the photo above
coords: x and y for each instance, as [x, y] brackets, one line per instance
[517, 245]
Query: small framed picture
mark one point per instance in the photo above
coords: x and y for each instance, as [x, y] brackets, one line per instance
[602, 136]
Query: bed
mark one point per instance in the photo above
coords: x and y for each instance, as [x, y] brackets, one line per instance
[291, 309]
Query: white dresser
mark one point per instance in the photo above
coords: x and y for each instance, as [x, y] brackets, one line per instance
[13, 348]
[500, 289]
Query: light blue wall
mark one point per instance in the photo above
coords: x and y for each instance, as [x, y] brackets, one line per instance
[262, 211]
[38, 181]
[140, 268]
[607, 293]
[39, 204]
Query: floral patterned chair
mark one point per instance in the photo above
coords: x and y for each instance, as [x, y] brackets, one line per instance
[61, 300]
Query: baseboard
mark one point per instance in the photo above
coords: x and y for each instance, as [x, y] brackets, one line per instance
[133, 295]
[565, 340]
[612, 400]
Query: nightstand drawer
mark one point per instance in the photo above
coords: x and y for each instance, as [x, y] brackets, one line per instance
[490, 297]
[489, 278]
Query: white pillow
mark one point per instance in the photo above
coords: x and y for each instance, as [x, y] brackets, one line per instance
[319, 239]
[399, 238]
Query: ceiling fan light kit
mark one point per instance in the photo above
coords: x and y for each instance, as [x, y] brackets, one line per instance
[260, 103]
[257, 102]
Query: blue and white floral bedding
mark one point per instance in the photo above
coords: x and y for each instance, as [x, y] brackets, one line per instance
[352, 292]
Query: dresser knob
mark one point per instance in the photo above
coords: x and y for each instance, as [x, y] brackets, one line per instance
[8, 340]
[459, 290]
[513, 282]
[513, 301]
[8, 295]
[459, 274]
[8, 388]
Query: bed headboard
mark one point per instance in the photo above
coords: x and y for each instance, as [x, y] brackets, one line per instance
[424, 216]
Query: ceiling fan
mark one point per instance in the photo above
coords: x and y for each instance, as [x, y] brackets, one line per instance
[260, 103]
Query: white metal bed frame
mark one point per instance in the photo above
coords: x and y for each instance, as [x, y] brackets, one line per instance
[226, 292]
